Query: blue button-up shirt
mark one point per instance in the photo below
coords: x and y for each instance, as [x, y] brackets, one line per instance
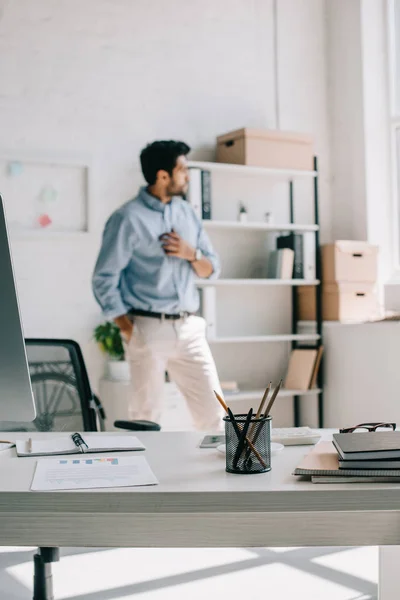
[133, 271]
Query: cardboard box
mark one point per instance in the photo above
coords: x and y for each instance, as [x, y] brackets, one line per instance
[355, 302]
[265, 148]
[349, 261]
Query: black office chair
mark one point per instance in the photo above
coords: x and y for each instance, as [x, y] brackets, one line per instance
[64, 402]
[63, 396]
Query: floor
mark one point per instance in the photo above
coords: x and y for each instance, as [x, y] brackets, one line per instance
[171, 574]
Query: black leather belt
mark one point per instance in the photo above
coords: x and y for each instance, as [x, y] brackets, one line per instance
[161, 316]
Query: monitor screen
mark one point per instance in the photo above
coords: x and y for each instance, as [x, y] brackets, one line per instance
[16, 398]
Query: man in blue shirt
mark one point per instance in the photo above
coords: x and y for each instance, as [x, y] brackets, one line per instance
[153, 249]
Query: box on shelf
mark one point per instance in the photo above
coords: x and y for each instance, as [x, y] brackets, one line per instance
[355, 302]
[280, 264]
[303, 364]
[351, 261]
[229, 386]
[266, 148]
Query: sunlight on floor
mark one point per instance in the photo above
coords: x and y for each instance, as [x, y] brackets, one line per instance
[359, 562]
[121, 567]
[14, 549]
[167, 574]
[276, 579]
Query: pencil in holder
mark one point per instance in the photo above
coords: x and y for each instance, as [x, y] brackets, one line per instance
[248, 452]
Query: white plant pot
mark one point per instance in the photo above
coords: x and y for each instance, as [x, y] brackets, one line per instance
[118, 370]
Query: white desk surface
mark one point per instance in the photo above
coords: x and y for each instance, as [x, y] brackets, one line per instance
[196, 504]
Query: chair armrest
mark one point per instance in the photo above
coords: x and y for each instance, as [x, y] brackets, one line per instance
[137, 425]
[99, 407]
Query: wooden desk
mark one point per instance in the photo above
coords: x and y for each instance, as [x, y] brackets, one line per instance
[197, 504]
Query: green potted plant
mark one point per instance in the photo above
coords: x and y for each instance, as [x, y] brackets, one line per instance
[109, 340]
[242, 213]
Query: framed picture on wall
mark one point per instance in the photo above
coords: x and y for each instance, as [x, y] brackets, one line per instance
[45, 196]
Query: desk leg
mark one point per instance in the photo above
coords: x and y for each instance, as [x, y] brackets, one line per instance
[43, 578]
[389, 572]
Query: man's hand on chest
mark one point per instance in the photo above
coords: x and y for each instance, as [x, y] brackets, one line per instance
[174, 245]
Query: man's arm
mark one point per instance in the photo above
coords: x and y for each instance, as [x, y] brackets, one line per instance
[206, 266]
[209, 255]
[203, 267]
[174, 245]
[115, 254]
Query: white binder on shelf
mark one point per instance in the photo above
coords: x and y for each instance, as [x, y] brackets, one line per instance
[195, 191]
[309, 256]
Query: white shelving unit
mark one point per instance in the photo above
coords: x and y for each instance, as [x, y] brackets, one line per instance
[283, 174]
[254, 295]
[255, 282]
[210, 225]
[251, 339]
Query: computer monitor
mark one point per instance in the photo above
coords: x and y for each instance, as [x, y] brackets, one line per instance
[16, 397]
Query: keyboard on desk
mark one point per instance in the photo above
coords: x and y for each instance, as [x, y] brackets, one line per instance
[294, 436]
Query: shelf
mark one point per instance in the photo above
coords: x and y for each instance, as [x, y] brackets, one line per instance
[255, 282]
[286, 174]
[258, 394]
[265, 338]
[260, 226]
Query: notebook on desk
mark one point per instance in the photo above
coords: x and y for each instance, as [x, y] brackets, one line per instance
[371, 446]
[78, 444]
[324, 460]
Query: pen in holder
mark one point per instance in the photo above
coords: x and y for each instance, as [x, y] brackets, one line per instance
[248, 443]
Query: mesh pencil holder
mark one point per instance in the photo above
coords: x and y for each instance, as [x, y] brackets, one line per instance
[253, 453]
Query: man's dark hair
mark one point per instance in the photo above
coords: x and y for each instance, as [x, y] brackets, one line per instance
[161, 156]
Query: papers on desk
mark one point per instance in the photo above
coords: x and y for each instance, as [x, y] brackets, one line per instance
[92, 473]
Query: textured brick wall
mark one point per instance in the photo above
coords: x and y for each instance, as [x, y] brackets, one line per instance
[97, 79]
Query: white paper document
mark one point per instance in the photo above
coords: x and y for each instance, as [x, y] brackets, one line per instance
[91, 473]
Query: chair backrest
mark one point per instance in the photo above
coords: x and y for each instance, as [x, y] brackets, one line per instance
[63, 396]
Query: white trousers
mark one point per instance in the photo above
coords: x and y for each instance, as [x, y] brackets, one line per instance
[179, 347]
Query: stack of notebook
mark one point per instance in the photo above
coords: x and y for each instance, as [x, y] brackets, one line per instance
[354, 457]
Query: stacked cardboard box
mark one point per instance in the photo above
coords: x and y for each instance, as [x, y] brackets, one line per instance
[266, 148]
[349, 275]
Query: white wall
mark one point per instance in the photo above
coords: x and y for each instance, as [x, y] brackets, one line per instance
[346, 113]
[101, 78]
[359, 104]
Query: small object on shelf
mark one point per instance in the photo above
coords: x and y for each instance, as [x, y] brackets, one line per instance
[295, 242]
[242, 213]
[309, 256]
[280, 264]
[303, 368]
[268, 218]
[231, 387]
[199, 193]
[206, 194]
